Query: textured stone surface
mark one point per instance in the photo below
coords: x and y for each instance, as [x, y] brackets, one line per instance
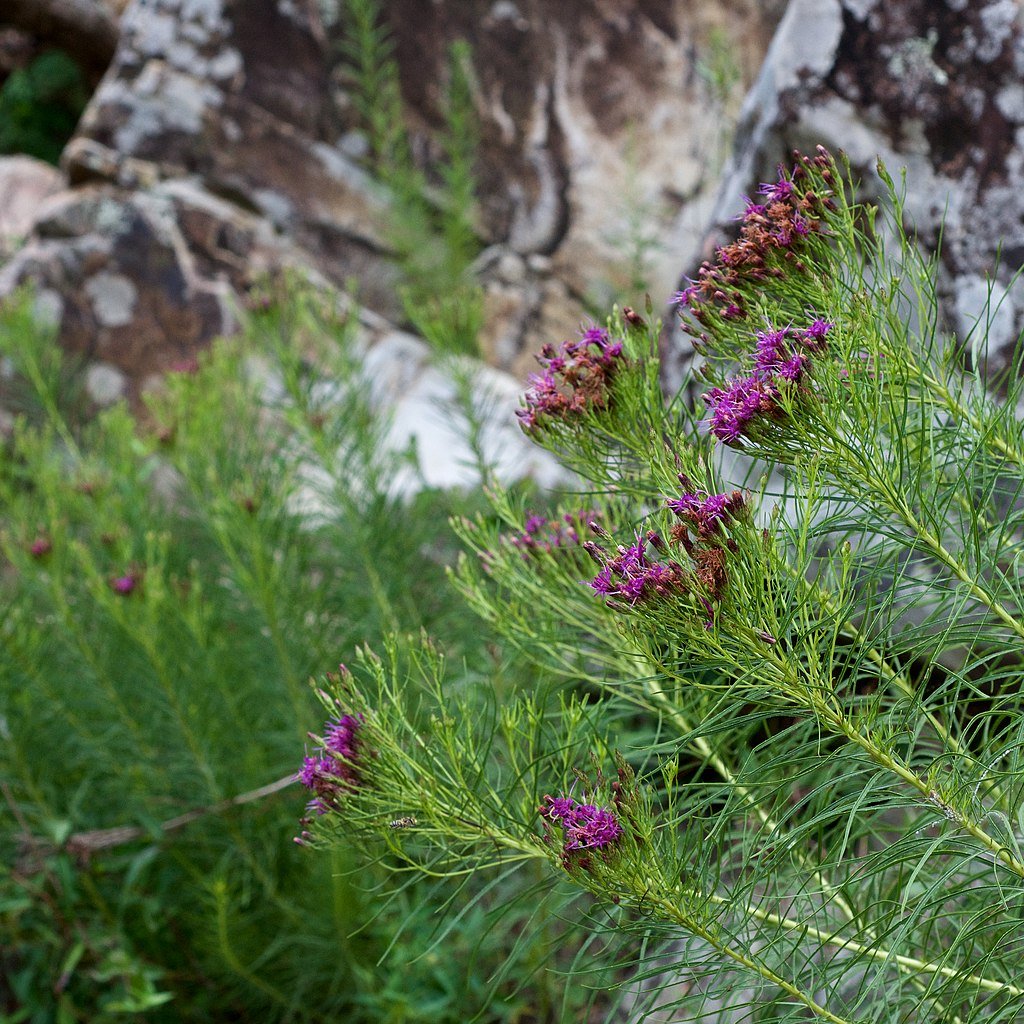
[117, 272]
[600, 127]
[419, 398]
[223, 143]
[931, 86]
[104, 384]
[24, 184]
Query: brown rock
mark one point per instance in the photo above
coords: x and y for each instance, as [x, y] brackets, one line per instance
[222, 143]
[24, 184]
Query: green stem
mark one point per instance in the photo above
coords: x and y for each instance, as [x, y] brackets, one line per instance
[993, 441]
[887, 761]
[947, 558]
[673, 913]
[678, 719]
[873, 952]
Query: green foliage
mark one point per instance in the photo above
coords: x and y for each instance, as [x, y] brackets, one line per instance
[431, 229]
[151, 729]
[807, 723]
[718, 66]
[40, 106]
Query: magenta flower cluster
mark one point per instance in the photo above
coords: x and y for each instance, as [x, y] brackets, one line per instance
[584, 826]
[632, 575]
[40, 547]
[549, 535]
[126, 584]
[772, 239]
[781, 358]
[576, 379]
[335, 768]
[707, 512]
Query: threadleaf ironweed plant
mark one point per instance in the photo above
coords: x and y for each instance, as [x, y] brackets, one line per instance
[797, 645]
[167, 585]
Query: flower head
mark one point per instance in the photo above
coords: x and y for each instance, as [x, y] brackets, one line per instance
[630, 574]
[773, 235]
[126, 584]
[576, 379]
[550, 535]
[341, 739]
[734, 407]
[40, 547]
[707, 512]
[334, 768]
[591, 828]
[781, 358]
[584, 826]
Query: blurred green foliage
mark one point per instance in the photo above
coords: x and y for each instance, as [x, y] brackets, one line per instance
[252, 507]
[40, 106]
[432, 216]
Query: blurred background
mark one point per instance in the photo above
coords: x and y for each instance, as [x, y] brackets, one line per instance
[354, 189]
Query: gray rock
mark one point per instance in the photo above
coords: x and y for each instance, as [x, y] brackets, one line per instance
[943, 101]
[105, 384]
[24, 184]
[113, 298]
[241, 98]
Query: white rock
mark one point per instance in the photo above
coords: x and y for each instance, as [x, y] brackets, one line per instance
[105, 384]
[226, 64]
[113, 298]
[48, 308]
[1010, 101]
[24, 184]
[985, 316]
[430, 417]
[419, 400]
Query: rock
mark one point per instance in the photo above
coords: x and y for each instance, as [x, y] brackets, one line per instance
[420, 401]
[117, 269]
[236, 106]
[931, 87]
[105, 384]
[86, 29]
[24, 184]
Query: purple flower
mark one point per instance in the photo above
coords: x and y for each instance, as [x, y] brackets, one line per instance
[770, 348]
[558, 808]
[124, 585]
[733, 408]
[707, 511]
[633, 589]
[594, 335]
[40, 547]
[577, 378]
[631, 575]
[752, 209]
[334, 768]
[591, 828]
[317, 772]
[602, 582]
[534, 523]
[341, 738]
[777, 191]
[687, 295]
[584, 826]
[814, 336]
[792, 369]
[543, 534]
